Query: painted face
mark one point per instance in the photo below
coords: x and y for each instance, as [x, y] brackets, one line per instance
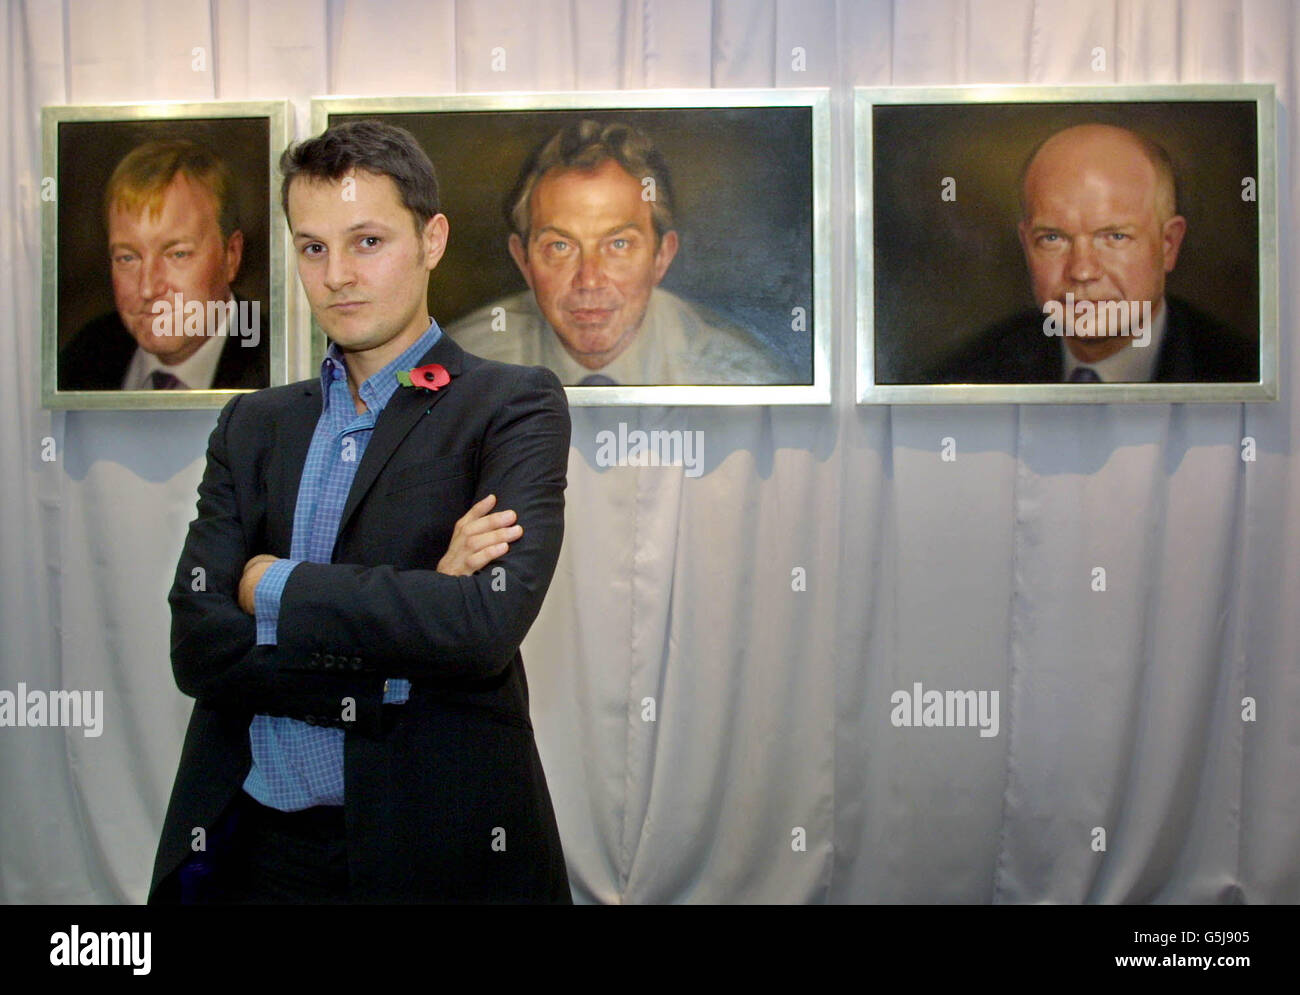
[176, 250]
[1093, 229]
[591, 259]
[363, 266]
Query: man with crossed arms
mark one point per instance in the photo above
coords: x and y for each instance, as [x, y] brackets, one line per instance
[361, 728]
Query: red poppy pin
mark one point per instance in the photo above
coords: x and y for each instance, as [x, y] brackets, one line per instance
[429, 377]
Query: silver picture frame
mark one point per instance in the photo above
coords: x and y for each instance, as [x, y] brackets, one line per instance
[82, 144]
[480, 142]
[931, 274]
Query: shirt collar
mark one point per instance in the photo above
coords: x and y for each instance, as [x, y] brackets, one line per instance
[196, 372]
[378, 389]
[1132, 364]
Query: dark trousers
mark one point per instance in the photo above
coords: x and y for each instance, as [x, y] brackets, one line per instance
[260, 855]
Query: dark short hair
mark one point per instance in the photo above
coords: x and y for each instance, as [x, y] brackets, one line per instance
[584, 145]
[373, 146]
[140, 179]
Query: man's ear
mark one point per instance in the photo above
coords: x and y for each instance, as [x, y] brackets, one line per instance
[1171, 238]
[234, 254]
[1022, 230]
[664, 254]
[520, 255]
[434, 238]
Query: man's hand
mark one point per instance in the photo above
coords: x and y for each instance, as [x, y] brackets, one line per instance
[478, 539]
[253, 571]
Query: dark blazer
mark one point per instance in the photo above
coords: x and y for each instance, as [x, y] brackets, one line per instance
[1196, 349]
[429, 782]
[96, 358]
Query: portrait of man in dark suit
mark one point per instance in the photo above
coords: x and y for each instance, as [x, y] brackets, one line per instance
[348, 607]
[175, 246]
[1100, 232]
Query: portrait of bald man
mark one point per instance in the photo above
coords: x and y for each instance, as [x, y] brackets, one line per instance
[1101, 232]
[592, 232]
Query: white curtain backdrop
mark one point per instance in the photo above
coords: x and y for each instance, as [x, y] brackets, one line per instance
[1120, 710]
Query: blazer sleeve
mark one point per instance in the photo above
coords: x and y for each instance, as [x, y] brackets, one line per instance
[423, 625]
[214, 656]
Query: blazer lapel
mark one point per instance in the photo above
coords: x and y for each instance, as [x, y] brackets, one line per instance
[240, 365]
[1041, 358]
[1175, 364]
[293, 435]
[406, 407]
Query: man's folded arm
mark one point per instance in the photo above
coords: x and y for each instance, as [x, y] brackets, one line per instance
[214, 656]
[424, 625]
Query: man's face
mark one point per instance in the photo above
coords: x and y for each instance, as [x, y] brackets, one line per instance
[179, 250]
[1093, 229]
[591, 259]
[363, 266]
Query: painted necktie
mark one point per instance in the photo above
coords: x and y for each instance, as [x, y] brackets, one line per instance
[162, 380]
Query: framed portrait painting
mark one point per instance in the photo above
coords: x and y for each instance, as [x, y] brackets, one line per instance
[1066, 244]
[164, 253]
[650, 247]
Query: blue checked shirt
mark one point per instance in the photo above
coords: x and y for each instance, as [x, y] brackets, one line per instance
[296, 765]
